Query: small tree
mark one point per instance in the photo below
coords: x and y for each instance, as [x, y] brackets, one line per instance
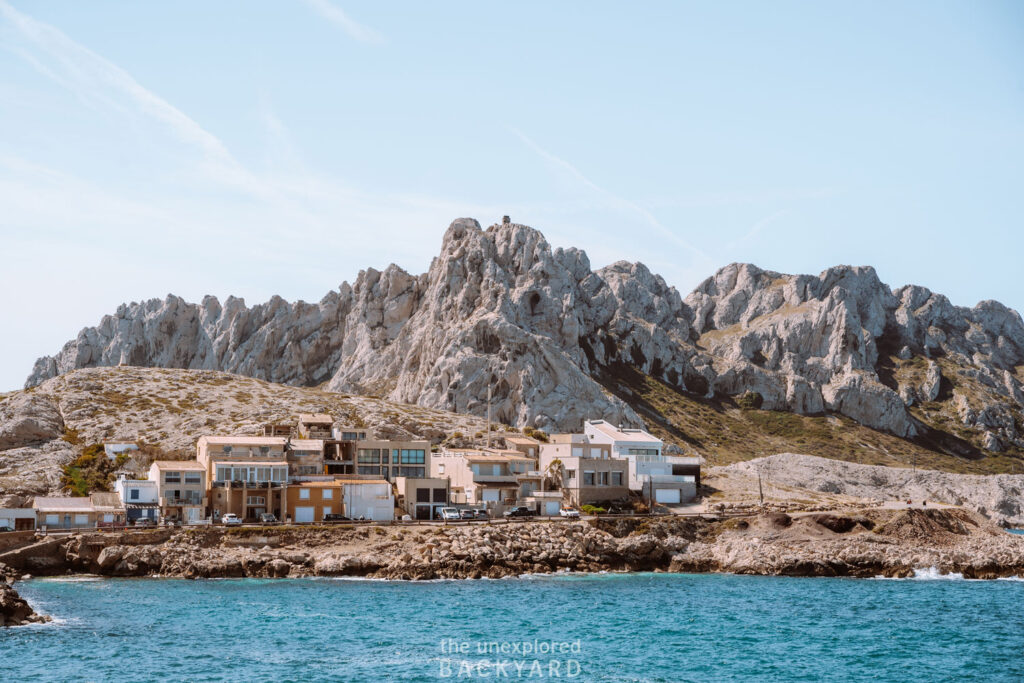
[554, 474]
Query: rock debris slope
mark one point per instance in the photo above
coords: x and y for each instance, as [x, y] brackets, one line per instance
[546, 331]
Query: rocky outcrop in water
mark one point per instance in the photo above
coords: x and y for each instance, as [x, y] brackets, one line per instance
[15, 610]
[499, 307]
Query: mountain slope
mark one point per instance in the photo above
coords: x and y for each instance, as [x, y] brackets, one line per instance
[501, 308]
[45, 427]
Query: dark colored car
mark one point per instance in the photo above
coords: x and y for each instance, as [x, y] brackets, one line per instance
[481, 513]
[518, 512]
[336, 518]
[268, 518]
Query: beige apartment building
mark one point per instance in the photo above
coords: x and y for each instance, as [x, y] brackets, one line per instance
[356, 451]
[247, 475]
[589, 472]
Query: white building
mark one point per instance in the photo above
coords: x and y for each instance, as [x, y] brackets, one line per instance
[665, 479]
[141, 497]
[368, 499]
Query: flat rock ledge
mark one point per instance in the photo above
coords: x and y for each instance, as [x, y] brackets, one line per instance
[865, 543]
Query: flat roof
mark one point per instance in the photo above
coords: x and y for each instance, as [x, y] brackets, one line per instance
[623, 434]
[307, 444]
[316, 418]
[337, 482]
[524, 440]
[66, 504]
[569, 438]
[484, 456]
[245, 440]
[253, 463]
[179, 465]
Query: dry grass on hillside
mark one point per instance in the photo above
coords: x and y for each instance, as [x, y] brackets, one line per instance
[725, 433]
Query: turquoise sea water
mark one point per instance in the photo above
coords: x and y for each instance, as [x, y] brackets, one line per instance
[641, 627]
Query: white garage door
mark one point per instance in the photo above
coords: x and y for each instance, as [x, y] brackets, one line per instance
[551, 507]
[666, 495]
[491, 494]
[304, 514]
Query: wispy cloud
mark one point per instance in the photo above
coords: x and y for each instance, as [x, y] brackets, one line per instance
[756, 229]
[610, 198]
[339, 18]
[98, 81]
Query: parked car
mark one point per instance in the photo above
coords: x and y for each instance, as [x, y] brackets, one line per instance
[450, 514]
[467, 514]
[334, 517]
[571, 513]
[231, 519]
[268, 518]
[480, 513]
[519, 511]
[144, 521]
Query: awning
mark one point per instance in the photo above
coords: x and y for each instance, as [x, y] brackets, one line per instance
[141, 506]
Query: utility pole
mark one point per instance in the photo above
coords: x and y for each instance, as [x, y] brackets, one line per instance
[488, 413]
[760, 491]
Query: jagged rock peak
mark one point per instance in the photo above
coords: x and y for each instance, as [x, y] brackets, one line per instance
[500, 308]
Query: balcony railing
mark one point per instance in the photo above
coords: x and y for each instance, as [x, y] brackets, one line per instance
[496, 478]
[669, 478]
[178, 502]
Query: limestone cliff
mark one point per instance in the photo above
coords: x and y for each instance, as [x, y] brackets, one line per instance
[499, 307]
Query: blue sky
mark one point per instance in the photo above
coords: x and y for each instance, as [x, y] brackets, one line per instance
[254, 148]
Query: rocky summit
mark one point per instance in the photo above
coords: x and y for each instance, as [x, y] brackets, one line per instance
[501, 308]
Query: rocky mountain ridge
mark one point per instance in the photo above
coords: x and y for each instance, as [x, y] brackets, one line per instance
[499, 307]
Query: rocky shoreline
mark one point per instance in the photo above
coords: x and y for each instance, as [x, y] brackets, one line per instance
[859, 543]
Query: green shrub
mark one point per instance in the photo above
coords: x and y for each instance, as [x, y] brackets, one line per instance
[592, 510]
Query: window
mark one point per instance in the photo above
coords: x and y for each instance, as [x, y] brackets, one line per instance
[570, 475]
[303, 494]
[264, 450]
[616, 478]
[413, 456]
[603, 478]
[384, 456]
[369, 455]
[256, 500]
[81, 520]
[411, 471]
[364, 469]
[595, 452]
[133, 494]
[588, 478]
[643, 451]
[193, 478]
[327, 494]
[440, 468]
[52, 520]
[440, 495]
[422, 495]
[172, 477]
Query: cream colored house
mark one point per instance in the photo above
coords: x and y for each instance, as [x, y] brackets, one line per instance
[422, 497]
[492, 477]
[181, 487]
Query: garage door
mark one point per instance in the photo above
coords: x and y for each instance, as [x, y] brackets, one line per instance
[304, 514]
[551, 507]
[666, 495]
[491, 494]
